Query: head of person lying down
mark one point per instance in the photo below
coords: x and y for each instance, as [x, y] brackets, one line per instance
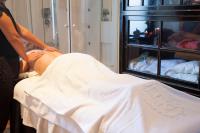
[38, 60]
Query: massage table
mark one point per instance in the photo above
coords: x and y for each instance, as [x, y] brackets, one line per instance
[27, 121]
[90, 98]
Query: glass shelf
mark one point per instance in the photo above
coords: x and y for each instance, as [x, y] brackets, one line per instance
[132, 3]
[142, 60]
[181, 35]
[180, 66]
[143, 32]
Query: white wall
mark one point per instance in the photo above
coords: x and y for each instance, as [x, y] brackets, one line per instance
[9, 4]
[78, 25]
[21, 12]
[89, 34]
[110, 36]
[29, 14]
[62, 15]
[93, 18]
[85, 22]
[116, 30]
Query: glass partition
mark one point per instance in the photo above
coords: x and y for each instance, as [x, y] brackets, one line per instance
[159, 2]
[152, 2]
[135, 3]
[180, 66]
[144, 2]
[172, 2]
[181, 35]
[191, 2]
[142, 60]
[144, 32]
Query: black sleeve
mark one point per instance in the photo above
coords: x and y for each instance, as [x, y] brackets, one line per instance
[1, 12]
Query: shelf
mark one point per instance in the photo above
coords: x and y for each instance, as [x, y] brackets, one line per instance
[180, 50]
[166, 13]
[140, 74]
[151, 47]
[143, 26]
[158, 5]
[176, 83]
[155, 47]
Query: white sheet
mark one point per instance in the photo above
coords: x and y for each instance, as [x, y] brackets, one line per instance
[30, 118]
[80, 94]
[42, 125]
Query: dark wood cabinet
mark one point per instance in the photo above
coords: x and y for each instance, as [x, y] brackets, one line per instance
[160, 39]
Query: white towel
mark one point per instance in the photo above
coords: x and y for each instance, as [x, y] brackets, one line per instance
[86, 95]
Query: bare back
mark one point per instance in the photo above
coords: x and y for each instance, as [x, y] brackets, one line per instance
[42, 63]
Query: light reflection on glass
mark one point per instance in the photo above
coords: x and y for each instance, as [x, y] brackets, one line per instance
[135, 2]
[171, 2]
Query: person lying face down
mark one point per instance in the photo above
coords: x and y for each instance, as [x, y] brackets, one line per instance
[38, 60]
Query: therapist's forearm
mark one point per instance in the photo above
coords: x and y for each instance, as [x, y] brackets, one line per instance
[27, 35]
[18, 46]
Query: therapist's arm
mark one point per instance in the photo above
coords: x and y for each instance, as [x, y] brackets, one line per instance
[27, 35]
[12, 35]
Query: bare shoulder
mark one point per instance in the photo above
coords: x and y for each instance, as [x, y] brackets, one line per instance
[4, 19]
[43, 62]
